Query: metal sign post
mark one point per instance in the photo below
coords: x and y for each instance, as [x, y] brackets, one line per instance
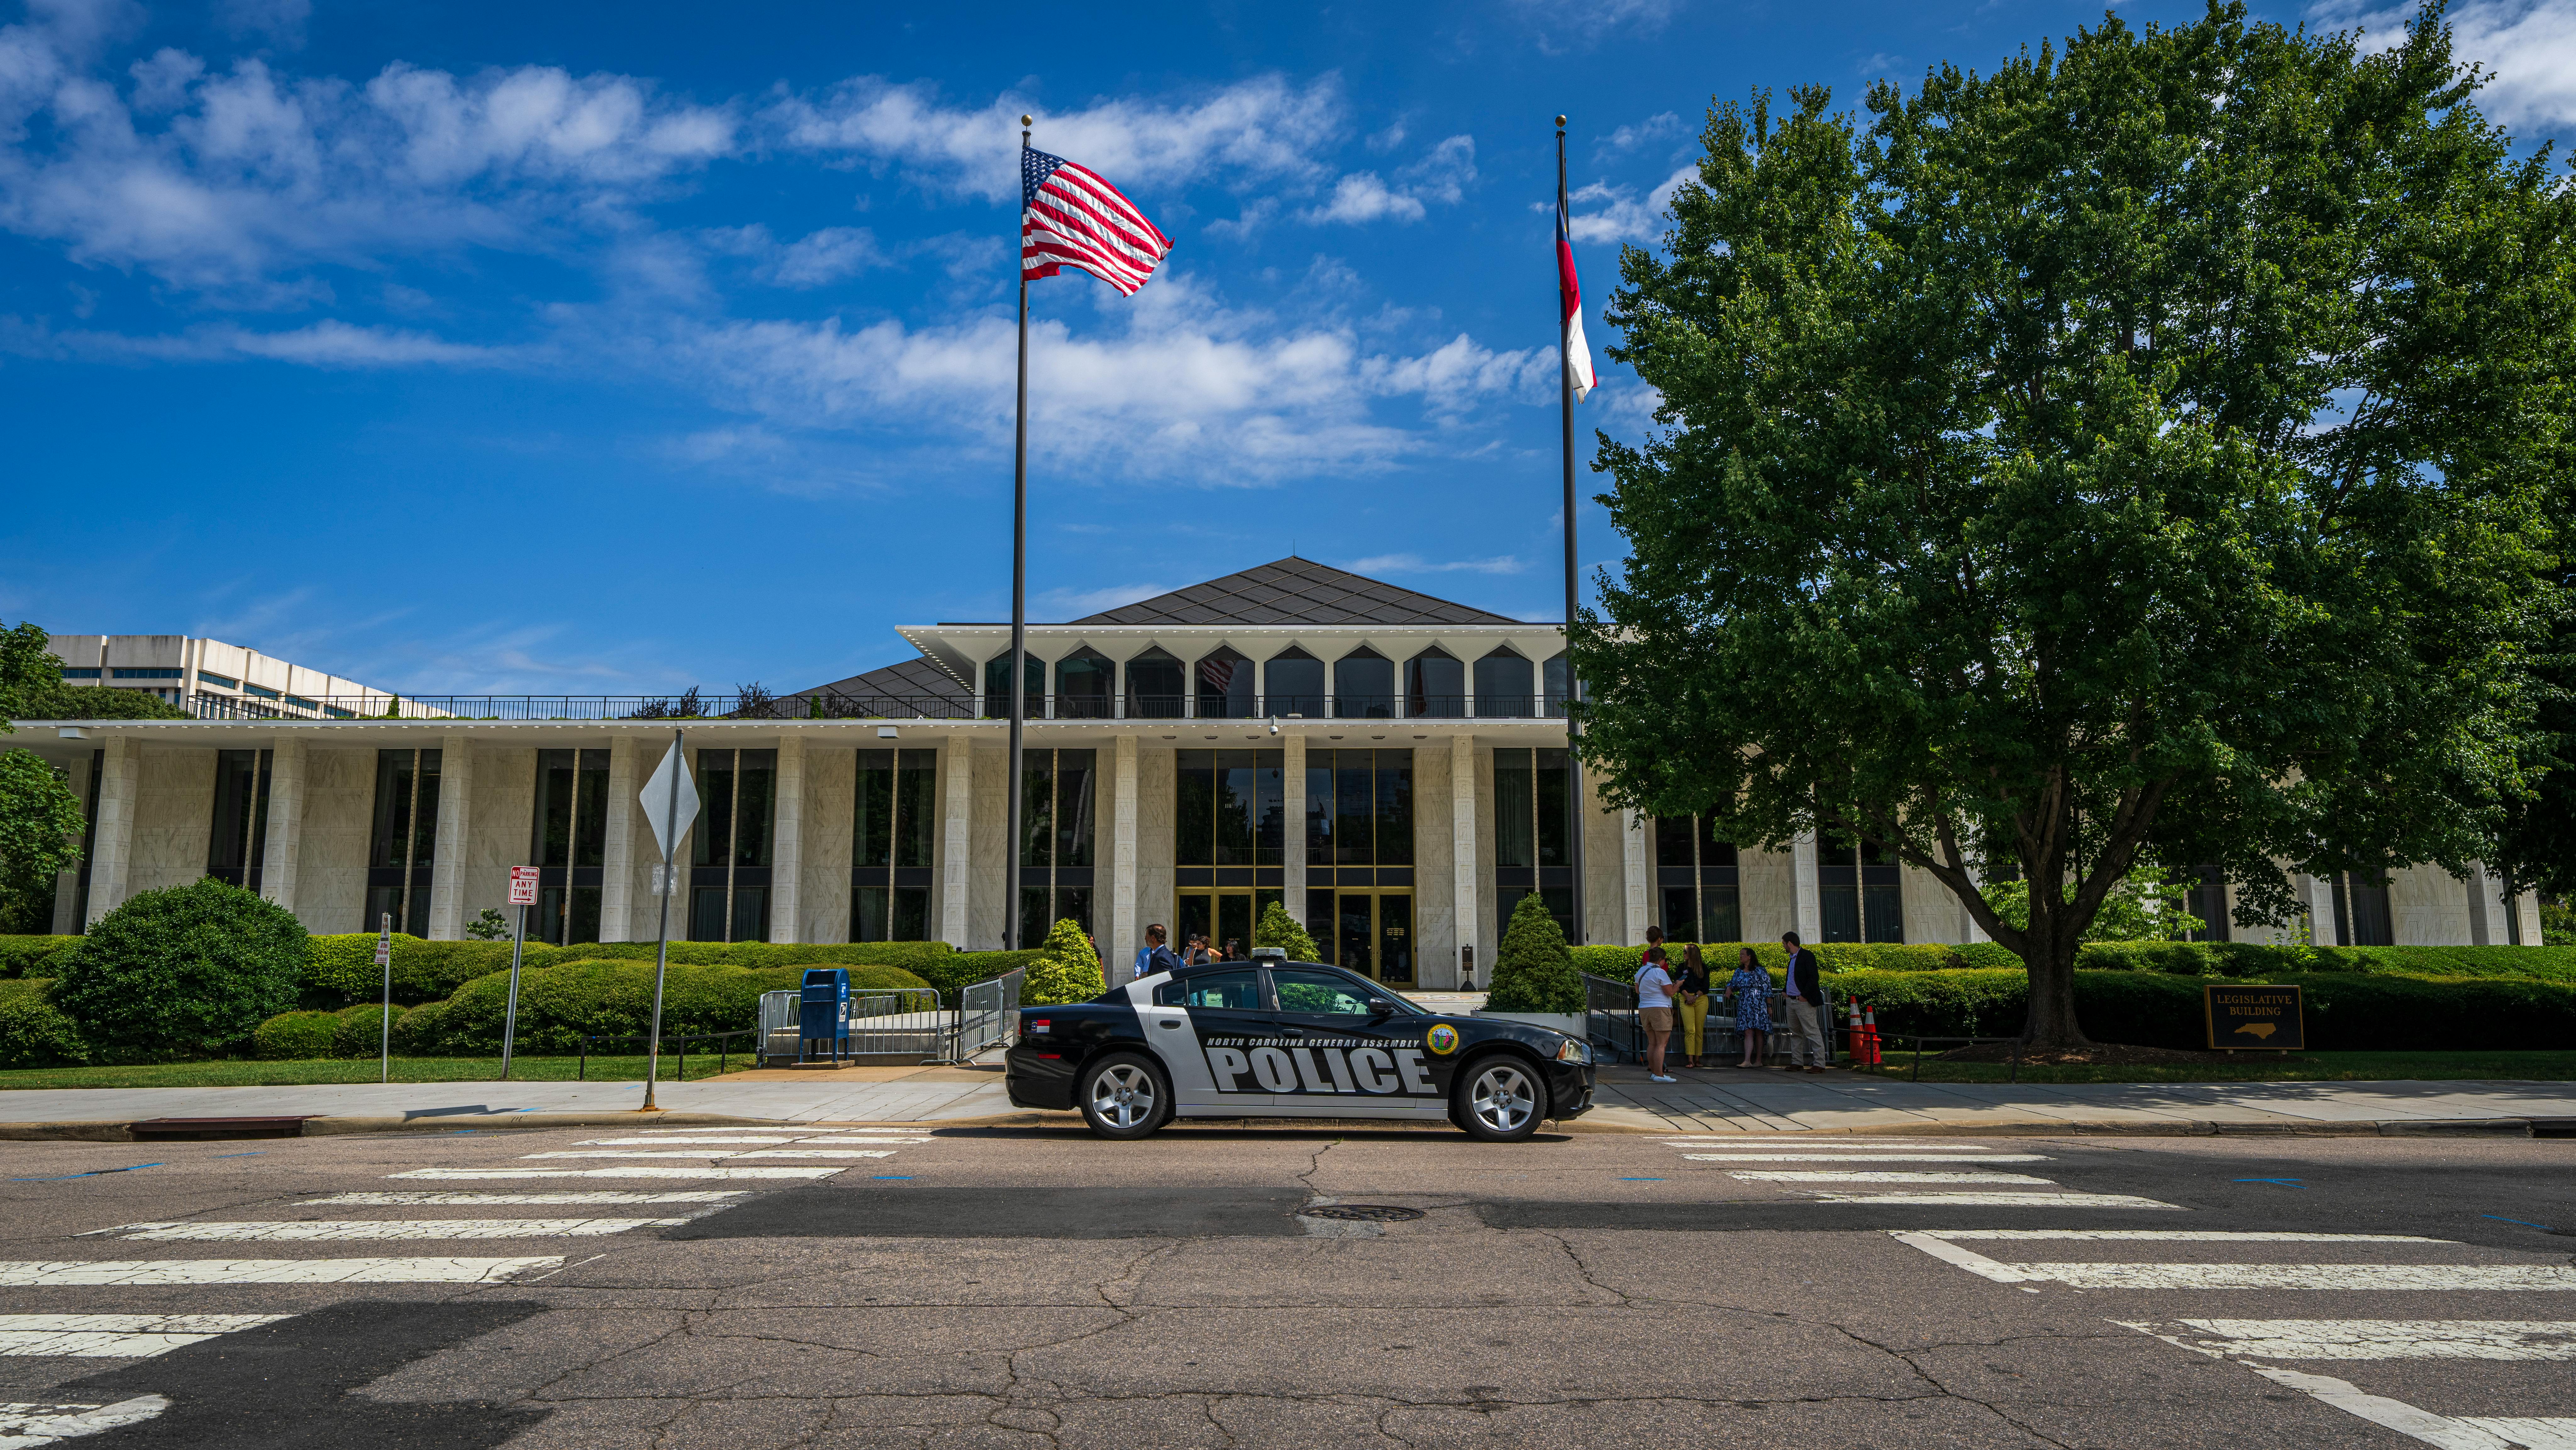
[523, 894]
[385, 959]
[677, 808]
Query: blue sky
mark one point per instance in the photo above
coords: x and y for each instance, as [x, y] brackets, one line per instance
[612, 349]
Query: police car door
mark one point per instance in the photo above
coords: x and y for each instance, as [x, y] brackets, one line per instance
[1346, 1059]
[1202, 1026]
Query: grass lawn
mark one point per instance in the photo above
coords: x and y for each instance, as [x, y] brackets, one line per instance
[405, 1069]
[2263, 1067]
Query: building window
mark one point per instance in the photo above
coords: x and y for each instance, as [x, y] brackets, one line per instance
[1086, 682]
[1293, 684]
[263, 691]
[1226, 686]
[1558, 677]
[89, 843]
[1435, 685]
[1359, 860]
[1157, 686]
[1506, 685]
[1228, 841]
[79, 672]
[2362, 917]
[1364, 686]
[2207, 900]
[124, 674]
[1533, 847]
[209, 677]
[403, 846]
[569, 843]
[238, 846]
[729, 860]
[997, 687]
[1695, 881]
[1057, 819]
[890, 845]
[1861, 888]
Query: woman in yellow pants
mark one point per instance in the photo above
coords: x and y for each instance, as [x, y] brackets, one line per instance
[1691, 1003]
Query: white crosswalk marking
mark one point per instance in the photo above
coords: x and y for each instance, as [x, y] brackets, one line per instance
[1897, 1176]
[720, 1153]
[623, 1170]
[24, 1426]
[124, 1272]
[2506, 1339]
[2171, 1235]
[116, 1336]
[2550, 1434]
[601, 1196]
[2363, 1277]
[289, 1231]
[667, 1142]
[1996, 1200]
[2447, 1432]
[1861, 1158]
[1820, 1140]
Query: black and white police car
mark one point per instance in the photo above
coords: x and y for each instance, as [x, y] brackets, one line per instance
[1280, 1039]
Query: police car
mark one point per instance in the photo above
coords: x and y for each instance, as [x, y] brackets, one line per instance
[1281, 1039]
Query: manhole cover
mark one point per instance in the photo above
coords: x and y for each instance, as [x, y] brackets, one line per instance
[1363, 1212]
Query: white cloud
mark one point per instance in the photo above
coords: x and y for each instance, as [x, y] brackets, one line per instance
[813, 260]
[1440, 176]
[2529, 45]
[1560, 27]
[1252, 131]
[255, 173]
[1461, 373]
[278, 21]
[1362, 197]
[1416, 564]
[326, 344]
[1623, 216]
[1630, 137]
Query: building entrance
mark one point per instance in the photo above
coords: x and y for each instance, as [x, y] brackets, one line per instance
[1369, 932]
[1222, 915]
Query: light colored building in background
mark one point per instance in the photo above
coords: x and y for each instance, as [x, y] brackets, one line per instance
[1388, 766]
[213, 679]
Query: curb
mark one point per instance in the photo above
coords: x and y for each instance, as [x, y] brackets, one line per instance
[332, 1127]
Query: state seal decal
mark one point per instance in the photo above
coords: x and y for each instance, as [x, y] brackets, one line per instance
[1442, 1039]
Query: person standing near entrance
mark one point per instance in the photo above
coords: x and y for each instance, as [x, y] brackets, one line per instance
[1153, 956]
[1752, 988]
[1806, 991]
[1691, 1005]
[1655, 1011]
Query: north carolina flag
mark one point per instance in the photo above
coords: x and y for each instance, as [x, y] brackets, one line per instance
[1578, 353]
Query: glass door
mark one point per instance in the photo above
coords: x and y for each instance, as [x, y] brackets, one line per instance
[1222, 915]
[1369, 932]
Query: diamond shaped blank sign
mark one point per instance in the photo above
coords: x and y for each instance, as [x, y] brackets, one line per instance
[670, 817]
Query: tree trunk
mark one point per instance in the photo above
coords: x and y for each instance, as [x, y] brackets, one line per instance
[2051, 1021]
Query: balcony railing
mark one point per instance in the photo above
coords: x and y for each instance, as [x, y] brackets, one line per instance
[832, 705]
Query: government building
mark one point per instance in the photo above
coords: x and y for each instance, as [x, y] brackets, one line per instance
[1389, 765]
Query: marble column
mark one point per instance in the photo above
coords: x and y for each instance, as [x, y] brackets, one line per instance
[1811, 900]
[455, 820]
[1292, 846]
[2316, 895]
[617, 853]
[787, 839]
[1636, 876]
[957, 832]
[112, 842]
[283, 850]
[1462, 855]
[1126, 933]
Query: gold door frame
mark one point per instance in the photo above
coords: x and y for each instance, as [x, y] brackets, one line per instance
[1375, 970]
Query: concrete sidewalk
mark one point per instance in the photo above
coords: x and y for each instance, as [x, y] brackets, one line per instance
[1706, 1102]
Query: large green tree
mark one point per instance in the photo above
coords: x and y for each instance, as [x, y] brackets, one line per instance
[2139, 452]
[40, 818]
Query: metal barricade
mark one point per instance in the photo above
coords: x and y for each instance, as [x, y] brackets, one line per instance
[988, 1015]
[887, 1025]
[1610, 1020]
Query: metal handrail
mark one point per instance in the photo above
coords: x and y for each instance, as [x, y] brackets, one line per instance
[872, 705]
[722, 1054]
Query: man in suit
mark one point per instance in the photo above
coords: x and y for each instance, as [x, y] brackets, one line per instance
[1153, 956]
[1808, 1045]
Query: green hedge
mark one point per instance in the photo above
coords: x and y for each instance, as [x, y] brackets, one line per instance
[297, 1037]
[33, 1031]
[561, 1004]
[953, 973]
[343, 967]
[2346, 1011]
[2185, 959]
[912, 956]
[24, 956]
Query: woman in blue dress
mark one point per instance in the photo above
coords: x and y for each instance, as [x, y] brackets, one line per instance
[1752, 988]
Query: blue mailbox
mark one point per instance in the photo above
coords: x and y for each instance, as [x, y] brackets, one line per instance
[825, 1011]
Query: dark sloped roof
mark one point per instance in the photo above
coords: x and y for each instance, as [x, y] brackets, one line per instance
[1294, 591]
[905, 679]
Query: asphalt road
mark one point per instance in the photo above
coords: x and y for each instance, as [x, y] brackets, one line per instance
[970, 1287]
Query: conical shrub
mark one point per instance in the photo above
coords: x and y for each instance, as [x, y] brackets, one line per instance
[1534, 972]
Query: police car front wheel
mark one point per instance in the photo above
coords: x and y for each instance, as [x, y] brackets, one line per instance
[1124, 1097]
[1498, 1099]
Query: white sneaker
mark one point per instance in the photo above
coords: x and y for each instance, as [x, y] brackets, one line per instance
[1653, 1077]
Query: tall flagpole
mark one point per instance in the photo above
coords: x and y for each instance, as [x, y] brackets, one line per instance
[1575, 811]
[1020, 595]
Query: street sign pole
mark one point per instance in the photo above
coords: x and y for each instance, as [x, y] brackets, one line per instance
[675, 765]
[523, 894]
[385, 1045]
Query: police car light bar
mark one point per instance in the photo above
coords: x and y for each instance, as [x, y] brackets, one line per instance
[1270, 954]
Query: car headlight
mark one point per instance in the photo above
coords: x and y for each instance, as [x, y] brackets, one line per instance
[1574, 1050]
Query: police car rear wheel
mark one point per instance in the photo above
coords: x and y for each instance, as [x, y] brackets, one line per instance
[1124, 1097]
[1499, 1100]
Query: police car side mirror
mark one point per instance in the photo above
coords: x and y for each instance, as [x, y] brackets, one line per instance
[1380, 1007]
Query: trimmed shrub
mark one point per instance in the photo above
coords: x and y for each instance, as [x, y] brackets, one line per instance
[419, 1032]
[361, 1030]
[561, 1004]
[1534, 971]
[342, 966]
[912, 956]
[1617, 963]
[297, 1037]
[953, 973]
[193, 968]
[26, 956]
[36, 1033]
[1278, 929]
[1067, 969]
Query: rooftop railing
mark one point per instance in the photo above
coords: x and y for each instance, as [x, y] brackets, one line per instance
[833, 705]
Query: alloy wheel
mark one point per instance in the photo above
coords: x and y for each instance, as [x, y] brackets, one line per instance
[1503, 1098]
[1123, 1095]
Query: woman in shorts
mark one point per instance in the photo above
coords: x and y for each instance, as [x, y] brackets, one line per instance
[1655, 1011]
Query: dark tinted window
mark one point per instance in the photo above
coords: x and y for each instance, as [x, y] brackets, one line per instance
[1240, 991]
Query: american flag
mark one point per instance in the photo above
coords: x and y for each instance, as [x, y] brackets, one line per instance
[1069, 217]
